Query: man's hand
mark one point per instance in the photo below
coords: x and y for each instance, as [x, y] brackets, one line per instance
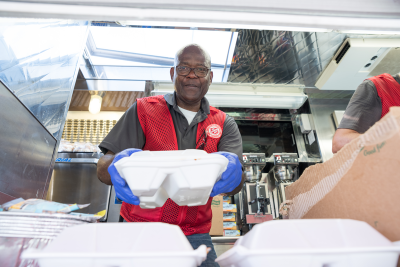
[122, 190]
[342, 137]
[231, 178]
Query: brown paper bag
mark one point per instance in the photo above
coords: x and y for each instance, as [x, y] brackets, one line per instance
[217, 224]
[360, 182]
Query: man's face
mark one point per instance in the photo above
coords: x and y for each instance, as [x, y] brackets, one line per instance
[190, 88]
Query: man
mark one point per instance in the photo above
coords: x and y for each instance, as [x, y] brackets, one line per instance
[177, 121]
[370, 102]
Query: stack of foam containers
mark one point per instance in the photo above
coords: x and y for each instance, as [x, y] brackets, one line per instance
[312, 243]
[185, 176]
[119, 244]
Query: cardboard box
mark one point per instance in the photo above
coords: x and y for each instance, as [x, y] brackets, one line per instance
[231, 233]
[227, 199]
[217, 224]
[230, 226]
[229, 217]
[229, 207]
[360, 182]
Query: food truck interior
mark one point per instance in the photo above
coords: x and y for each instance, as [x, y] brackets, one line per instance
[66, 79]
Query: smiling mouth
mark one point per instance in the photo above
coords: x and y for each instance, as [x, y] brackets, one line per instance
[191, 85]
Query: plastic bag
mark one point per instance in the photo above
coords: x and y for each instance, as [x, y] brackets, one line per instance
[40, 206]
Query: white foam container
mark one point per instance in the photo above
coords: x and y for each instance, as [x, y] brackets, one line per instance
[312, 243]
[185, 176]
[119, 245]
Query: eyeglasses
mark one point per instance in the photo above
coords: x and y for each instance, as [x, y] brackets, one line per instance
[203, 139]
[199, 72]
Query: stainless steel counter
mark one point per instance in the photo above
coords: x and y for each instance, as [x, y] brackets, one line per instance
[223, 243]
[74, 180]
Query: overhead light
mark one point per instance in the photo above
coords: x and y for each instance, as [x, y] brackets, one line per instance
[248, 95]
[222, 25]
[96, 99]
[376, 15]
[369, 32]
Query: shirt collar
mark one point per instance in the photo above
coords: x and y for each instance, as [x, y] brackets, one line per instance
[170, 98]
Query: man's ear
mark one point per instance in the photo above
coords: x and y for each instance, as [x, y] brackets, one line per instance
[172, 72]
[211, 76]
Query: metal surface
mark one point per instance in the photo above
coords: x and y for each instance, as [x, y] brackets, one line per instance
[26, 150]
[306, 152]
[81, 130]
[37, 225]
[39, 63]
[388, 64]
[224, 239]
[76, 182]
[245, 95]
[259, 116]
[76, 161]
[322, 109]
[264, 57]
[254, 191]
[337, 117]
[223, 244]
[284, 57]
[113, 209]
[254, 163]
[20, 231]
[284, 172]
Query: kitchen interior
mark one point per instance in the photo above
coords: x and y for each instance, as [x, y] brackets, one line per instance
[65, 82]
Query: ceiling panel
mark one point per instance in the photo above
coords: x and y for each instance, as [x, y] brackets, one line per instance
[112, 101]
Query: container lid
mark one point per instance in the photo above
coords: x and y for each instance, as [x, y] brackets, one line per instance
[311, 234]
[120, 240]
[172, 155]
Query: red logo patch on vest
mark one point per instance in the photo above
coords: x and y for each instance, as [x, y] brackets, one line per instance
[214, 131]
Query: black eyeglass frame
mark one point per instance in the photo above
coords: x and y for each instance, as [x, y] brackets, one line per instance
[190, 70]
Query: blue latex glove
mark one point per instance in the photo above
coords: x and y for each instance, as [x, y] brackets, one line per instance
[232, 176]
[122, 190]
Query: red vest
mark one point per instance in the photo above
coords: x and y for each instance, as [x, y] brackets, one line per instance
[158, 127]
[388, 90]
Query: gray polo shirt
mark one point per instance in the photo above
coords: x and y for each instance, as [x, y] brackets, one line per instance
[364, 108]
[128, 132]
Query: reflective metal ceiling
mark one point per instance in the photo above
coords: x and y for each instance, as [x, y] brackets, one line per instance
[282, 57]
[259, 57]
[39, 62]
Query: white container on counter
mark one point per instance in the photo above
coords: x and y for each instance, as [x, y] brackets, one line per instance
[312, 243]
[119, 244]
[185, 176]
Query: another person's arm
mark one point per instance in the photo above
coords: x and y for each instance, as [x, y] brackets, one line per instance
[342, 137]
[363, 111]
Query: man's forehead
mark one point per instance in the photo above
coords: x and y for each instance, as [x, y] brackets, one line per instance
[192, 53]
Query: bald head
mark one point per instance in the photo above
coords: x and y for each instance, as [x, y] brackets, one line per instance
[194, 65]
[193, 48]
